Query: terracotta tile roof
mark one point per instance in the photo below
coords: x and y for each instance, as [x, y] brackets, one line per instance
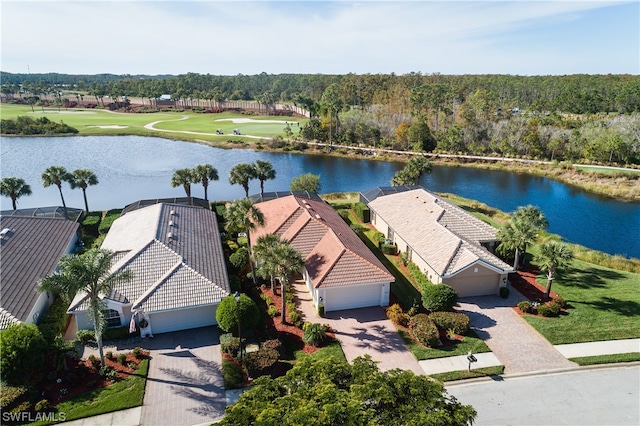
[29, 251]
[175, 254]
[444, 235]
[334, 255]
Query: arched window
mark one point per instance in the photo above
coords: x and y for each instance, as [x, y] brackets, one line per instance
[112, 318]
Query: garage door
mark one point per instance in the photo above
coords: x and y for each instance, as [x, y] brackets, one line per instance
[475, 286]
[183, 319]
[339, 298]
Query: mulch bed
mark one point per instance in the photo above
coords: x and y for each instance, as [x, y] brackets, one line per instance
[524, 280]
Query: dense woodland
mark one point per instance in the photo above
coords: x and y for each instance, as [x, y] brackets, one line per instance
[593, 118]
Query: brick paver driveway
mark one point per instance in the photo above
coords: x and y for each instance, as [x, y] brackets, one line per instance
[184, 385]
[518, 346]
[362, 331]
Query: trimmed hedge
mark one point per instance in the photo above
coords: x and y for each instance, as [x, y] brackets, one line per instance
[54, 320]
[455, 321]
[424, 330]
[362, 212]
[418, 275]
[439, 297]
[261, 360]
[525, 306]
[397, 315]
[389, 249]
[108, 219]
[91, 223]
[232, 372]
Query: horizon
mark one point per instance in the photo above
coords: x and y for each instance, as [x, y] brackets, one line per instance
[522, 37]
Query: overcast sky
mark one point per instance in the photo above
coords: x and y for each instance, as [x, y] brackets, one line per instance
[527, 37]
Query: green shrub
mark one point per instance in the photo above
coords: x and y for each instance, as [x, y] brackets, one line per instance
[261, 360]
[555, 308]
[137, 352]
[42, 405]
[229, 344]
[94, 360]
[273, 311]
[232, 373]
[115, 333]
[362, 212]
[544, 310]
[424, 330]
[525, 306]
[295, 318]
[91, 223]
[54, 320]
[314, 334]
[379, 237]
[273, 344]
[390, 249]
[227, 313]
[85, 337]
[418, 275]
[23, 407]
[397, 315]
[561, 301]
[439, 297]
[22, 347]
[109, 355]
[108, 220]
[10, 396]
[504, 292]
[456, 321]
[358, 228]
[122, 359]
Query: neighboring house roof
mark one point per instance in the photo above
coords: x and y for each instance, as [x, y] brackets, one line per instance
[54, 211]
[186, 201]
[175, 255]
[30, 250]
[6, 319]
[334, 255]
[445, 236]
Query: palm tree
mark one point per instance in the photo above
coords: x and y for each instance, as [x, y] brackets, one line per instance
[82, 178]
[532, 216]
[14, 188]
[287, 261]
[204, 173]
[55, 175]
[514, 237]
[243, 216]
[90, 273]
[241, 174]
[263, 251]
[264, 171]
[553, 255]
[184, 177]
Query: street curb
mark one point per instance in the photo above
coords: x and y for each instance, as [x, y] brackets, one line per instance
[540, 373]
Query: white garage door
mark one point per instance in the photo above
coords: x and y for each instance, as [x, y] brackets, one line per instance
[183, 319]
[339, 298]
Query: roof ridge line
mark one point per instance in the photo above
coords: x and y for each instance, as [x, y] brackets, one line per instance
[330, 268]
[157, 284]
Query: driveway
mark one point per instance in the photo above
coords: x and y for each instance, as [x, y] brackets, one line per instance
[361, 332]
[518, 346]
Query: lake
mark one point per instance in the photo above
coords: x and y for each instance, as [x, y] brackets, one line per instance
[131, 168]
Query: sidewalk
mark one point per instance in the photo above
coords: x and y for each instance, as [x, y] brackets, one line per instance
[129, 417]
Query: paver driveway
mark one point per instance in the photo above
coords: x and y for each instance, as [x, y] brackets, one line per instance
[517, 345]
[184, 385]
[362, 331]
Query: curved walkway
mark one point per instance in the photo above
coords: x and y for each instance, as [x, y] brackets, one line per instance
[151, 126]
[518, 346]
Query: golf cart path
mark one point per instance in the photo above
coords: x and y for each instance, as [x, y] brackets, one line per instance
[151, 126]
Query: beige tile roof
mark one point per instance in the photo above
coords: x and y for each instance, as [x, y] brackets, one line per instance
[182, 270]
[444, 235]
[334, 255]
[6, 319]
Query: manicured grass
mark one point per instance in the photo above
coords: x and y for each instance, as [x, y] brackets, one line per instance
[470, 343]
[332, 350]
[606, 170]
[464, 374]
[607, 359]
[127, 393]
[604, 304]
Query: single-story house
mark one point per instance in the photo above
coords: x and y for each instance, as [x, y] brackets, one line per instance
[179, 273]
[30, 249]
[340, 271]
[448, 244]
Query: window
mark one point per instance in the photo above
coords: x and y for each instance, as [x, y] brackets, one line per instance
[409, 253]
[390, 234]
[112, 318]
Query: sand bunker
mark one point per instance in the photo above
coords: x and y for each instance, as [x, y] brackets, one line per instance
[251, 120]
[113, 126]
[51, 111]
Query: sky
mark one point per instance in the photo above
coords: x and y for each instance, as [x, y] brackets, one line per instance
[525, 37]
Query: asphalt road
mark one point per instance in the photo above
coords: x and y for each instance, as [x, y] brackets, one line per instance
[601, 396]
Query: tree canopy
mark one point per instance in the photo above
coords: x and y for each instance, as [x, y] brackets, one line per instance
[306, 182]
[330, 392]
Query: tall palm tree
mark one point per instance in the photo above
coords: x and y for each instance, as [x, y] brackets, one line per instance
[90, 273]
[55, 175]
[264, 171]
[263, 252]
[533, 217]
[514, 237]
[82, 178]
[243, 216]
[14, 188]
[553, 255]
[287, 261]
[204, 173]
[184, 177]
[241, 174]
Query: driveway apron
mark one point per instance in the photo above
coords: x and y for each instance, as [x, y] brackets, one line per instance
[184, 385]
[514, 342]
[360, 332]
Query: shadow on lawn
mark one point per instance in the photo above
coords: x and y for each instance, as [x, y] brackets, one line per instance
[589, 278]
[623, 307]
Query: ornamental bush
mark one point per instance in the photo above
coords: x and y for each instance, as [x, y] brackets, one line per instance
[525, 306]
[229, 344]
[22, 347]
[397, 315]
[439, 297]
[560, 301]
[424, 330]
[362, 211]
[544, 310]
[261, 360]
[227, 313]
[455, 321]
[314, 334]
[504, 292]
[389, 249]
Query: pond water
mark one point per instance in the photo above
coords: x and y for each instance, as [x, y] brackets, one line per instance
[131, 168]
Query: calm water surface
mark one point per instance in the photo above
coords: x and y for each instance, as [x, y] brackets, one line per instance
[131, 168]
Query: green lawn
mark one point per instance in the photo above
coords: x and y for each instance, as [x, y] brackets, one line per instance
[604, 304]
[606, 170]
[127, 393]
[607, 359]
[471, 343]
[464, 374]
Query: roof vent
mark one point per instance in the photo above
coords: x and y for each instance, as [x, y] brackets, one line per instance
[318, 216]
[4, 232]
[172, 212]
[171, 223]
[170, 235]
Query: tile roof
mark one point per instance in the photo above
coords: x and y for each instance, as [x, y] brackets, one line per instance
[445, 236]
[175, 254]
[29, 251]
[334, 255]
[6, 319]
